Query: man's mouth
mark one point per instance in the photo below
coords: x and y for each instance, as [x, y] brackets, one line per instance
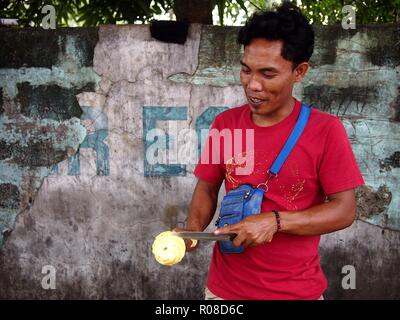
[255, 101]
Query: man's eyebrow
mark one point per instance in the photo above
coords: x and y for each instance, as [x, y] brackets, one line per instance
[266, 69]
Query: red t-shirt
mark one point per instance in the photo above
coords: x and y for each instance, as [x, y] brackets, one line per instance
[321, 163]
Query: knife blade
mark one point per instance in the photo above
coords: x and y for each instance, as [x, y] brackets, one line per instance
[205, 236]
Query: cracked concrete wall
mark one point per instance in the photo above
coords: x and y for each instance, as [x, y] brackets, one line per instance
[40, 75]
[77, 193]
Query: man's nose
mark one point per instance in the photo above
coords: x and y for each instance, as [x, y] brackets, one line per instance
[254, 84]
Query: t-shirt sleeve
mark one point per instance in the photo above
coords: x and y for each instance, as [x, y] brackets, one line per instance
[210, 165]
[338, 170]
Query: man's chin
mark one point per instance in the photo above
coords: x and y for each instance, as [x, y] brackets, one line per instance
[259, 108]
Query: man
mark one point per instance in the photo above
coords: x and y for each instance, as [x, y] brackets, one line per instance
[314, 191]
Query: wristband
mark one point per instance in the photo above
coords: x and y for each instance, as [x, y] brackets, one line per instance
[278, 219]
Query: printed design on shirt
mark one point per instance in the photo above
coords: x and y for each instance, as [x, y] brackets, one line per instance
[241, 160]
[289, 192]
[292, 191]
[231, 165]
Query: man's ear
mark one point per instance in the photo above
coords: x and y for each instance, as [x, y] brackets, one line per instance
[301, 71]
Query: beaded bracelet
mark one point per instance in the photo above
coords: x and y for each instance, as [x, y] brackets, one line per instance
[278, 219]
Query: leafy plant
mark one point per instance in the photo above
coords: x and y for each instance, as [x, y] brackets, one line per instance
[96, 12]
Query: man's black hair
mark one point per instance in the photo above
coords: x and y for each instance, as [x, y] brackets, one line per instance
[288, 24]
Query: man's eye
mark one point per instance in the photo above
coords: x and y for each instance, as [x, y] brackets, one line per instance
[268, 76]
[246, 70]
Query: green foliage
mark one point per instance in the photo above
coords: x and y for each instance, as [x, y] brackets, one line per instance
[84, 12]
[367, 11]
[232, 9]
[96, 12]
[29, 12]
[330, 11]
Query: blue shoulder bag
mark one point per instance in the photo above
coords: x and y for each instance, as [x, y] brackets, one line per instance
[246, 200]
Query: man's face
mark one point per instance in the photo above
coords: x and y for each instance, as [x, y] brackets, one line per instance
[267, 78]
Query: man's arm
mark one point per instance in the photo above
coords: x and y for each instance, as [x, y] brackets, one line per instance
[337, 213]
[203, 205]
[201, 209]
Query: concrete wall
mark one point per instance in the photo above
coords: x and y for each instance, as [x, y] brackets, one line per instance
[77, 193]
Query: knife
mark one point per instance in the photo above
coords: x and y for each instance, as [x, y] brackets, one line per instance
[205, 236]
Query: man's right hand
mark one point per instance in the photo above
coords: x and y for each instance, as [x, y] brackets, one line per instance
[190, 244]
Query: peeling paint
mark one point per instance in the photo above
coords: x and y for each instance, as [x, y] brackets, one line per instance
[25, 49]
[40, 125]
[384, 48]
[396, 106]
[10, 173]
[9, 196]
[27, 180]
[324, 42]
[372, 205]
[17, 135]
[49, 102]
[391, 162]
[1, 101]
[11, 78]
[67, 62]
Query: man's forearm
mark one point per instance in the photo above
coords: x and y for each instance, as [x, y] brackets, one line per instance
[330, 216]
[202, 207]
[199, 218]
[338, 213]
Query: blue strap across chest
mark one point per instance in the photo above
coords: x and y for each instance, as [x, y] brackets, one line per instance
[292, 140]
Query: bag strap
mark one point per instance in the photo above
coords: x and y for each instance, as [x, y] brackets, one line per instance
[292, 140]
[289, 145]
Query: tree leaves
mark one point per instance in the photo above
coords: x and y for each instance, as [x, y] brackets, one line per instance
[96, 12]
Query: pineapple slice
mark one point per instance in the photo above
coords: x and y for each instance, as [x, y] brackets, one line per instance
[168, 249]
